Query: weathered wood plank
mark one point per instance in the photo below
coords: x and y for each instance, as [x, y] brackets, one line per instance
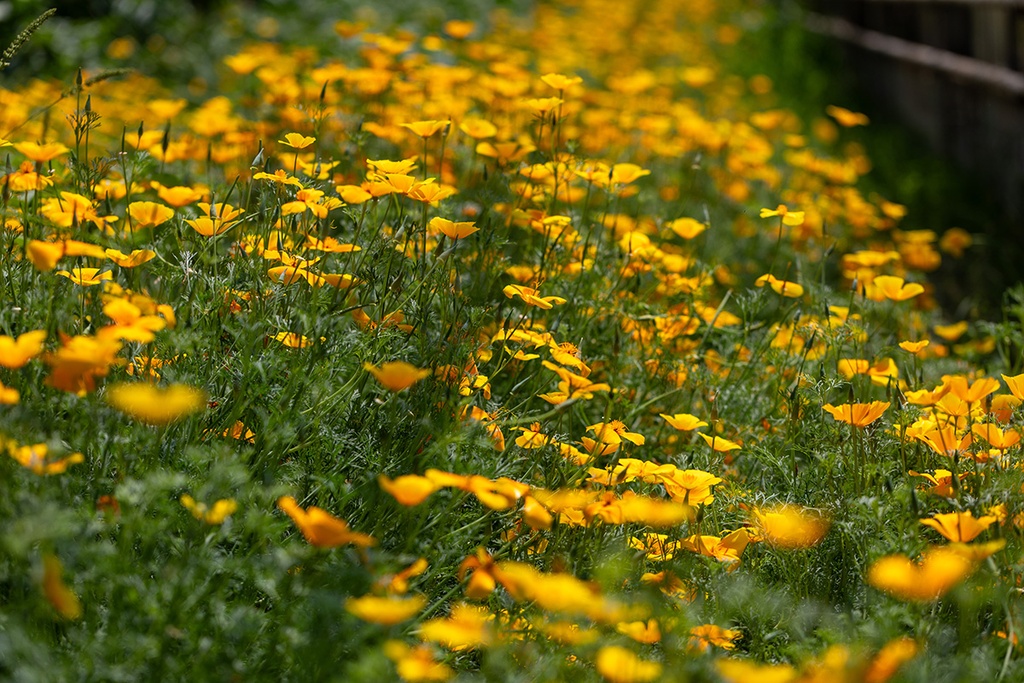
[1006, 80]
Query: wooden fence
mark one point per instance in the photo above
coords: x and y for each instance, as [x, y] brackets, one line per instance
[952, 69]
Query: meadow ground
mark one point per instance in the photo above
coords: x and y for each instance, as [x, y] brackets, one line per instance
[494, 346]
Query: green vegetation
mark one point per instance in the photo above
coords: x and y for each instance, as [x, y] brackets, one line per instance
[409, 346]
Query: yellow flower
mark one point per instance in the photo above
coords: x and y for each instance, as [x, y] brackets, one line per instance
[726, 549]
[719, 444]
[86, 277]
[954, 241]
[938, 571]
[560, 81]
[459, 29]
[77, 364]
[44, 255]
[914, 347]
[149, 214]
[619, 665]
[857, 414]
[297, 140]
[703, 637]
[684, 422]
[532, 296]
[221, 510]
[687, 228]
[41, 152]
[478, 129]
[466, 628]
[177, 196]
[532, 437]
[136, 258]
[416, 663]
[892, 288]
[845, 117]
[16, 353]
[608, 437]
[292, 340]
[385, 610]
[396, 375]
[37, 459]
[692, 487]
[890, 658]
[942, 481]
[952, 332]
[321, 528]
[646, 632]
[743, 671]
[451, 229]
[782, 287]
[959, 527]
[791, 218]
[9, 396]
[1016, 385]
[425, 129]
[995, 436]
[791, 526]
[154, 405]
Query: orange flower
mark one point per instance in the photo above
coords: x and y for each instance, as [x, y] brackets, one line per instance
[44, 255]
[16, 353]
[959, 527]
[977, 390]
[77, 364]
[397, 375]
[56, 591]
[1016, 385]
[996, 437]
[385, 610]
[938, 571]
[857, 414]
[791, 526]
[845, 117]
[890, 658]
[408, 489]
[321, 528]
[942, 481]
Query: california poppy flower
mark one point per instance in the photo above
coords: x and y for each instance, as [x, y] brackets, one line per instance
[321, 528]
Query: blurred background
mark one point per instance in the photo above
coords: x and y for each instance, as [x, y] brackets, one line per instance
[941, 80]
